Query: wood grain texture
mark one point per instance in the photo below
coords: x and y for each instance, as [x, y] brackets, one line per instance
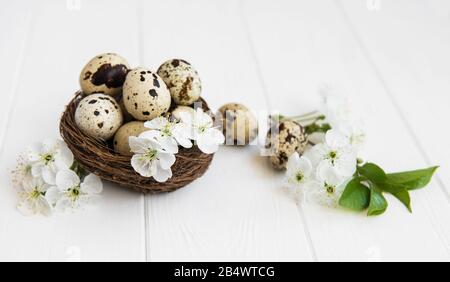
[15, 28]
[408, 43]
[235, 211]
[392, 62]
[316, 46]
[60, 42]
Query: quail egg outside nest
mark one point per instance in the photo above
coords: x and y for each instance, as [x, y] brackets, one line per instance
[239, 124]
[284, 140]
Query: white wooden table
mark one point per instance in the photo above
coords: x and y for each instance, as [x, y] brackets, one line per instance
[392, 56]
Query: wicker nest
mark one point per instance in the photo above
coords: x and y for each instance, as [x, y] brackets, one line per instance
[98, 157]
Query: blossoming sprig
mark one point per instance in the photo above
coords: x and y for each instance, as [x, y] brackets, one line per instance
[33, 199]
[330, 173]
[200, 127]
[321, 173]
[70, 192]
[48, 179]
[48, 157]
[170, 133]
[313, 122]
[366, 188]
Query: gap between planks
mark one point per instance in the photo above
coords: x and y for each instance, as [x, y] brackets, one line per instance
[32, 13]
[141, 59]
[261, 80]
[391, 96]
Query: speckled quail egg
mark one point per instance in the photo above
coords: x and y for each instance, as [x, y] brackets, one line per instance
[126, 115]
[133, 128]
[183, 81]
[239, 124]
[182, 109]
[283, 140]
[99, 116]
[105, 74]
[145, 95]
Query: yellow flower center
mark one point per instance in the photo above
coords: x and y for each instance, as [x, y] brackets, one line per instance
[299, 176]
[150, 154]
[330, 188]
[47, 158]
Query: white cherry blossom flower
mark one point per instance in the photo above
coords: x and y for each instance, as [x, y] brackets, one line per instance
[22, 172]
[299, 171]
[327, 188]
[151, 159]
[48, 157]
[354, 133]
[335, 152]
[338, 112]
[70, 192]
[169, 133]
[33, 199]
[335, 106]
[202, 130]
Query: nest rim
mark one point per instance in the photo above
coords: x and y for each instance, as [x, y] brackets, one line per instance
[98, 157]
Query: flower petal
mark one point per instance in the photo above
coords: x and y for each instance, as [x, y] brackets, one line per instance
[49, 175]
[156, 123]
[166, 160]
[209, 142]
[182, 133]
[138, 145]
[317, 153]
[43, 206]
[202, 118]
[66, 179]
[328, 174]
[162, 175]
[184, 142]
[52, 195]
[169, 144]
[305, 165]
[92, 184]
[293, 161]
[346, 164]
[51, 144]
[143, 166]
[64, 158]
[64, 203]
[150, 134]
[34, 150]
[25, 209]
[36, 169]
[335, 139]
[186, 117]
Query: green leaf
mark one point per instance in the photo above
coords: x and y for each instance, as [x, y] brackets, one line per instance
[403, 196]
[378, 203]
[412, 180]
[391, 187]
[356, 196]
[372, 172]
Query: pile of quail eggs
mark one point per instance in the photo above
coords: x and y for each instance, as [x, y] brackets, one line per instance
[118, 99]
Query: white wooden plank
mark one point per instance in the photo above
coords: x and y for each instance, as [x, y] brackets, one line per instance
[61, 41]
[14, 25]
[235, 211]
[301, 44]
[409, 42]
